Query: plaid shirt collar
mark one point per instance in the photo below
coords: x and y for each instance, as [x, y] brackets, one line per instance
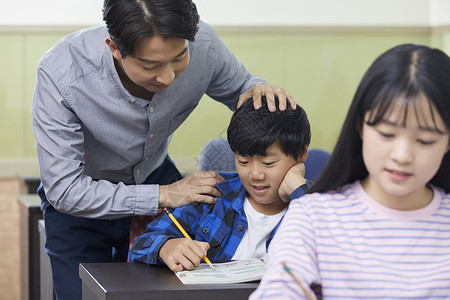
[233, 189]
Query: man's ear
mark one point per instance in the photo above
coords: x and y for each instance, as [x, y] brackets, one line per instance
[114, 49]
[302, 158]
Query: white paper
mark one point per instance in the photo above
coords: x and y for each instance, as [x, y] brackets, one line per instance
[229, 272]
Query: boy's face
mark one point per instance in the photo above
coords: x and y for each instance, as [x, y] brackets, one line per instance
[262, 176]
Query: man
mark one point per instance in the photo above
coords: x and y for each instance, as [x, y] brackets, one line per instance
[106, 104]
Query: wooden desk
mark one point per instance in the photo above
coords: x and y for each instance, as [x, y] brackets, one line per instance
[139, 281]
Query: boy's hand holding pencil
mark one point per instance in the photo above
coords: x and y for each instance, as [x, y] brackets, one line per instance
[183, 253]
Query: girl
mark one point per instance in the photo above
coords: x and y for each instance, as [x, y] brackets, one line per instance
[377, 221]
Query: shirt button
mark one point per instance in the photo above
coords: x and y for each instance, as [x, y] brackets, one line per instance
[146, 158]
[205, 230]
[138, 171]
[151, 135]
[150, 109]
[240, 227]
[223, 258]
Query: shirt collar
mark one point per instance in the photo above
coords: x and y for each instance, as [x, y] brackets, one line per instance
[233, 189]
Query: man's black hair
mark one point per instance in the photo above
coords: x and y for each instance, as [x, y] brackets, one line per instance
[130, 22]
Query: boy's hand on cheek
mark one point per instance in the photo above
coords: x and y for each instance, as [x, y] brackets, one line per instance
[182, 253]
[294, 178]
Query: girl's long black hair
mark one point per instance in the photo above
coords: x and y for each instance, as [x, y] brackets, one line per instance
[408, 72]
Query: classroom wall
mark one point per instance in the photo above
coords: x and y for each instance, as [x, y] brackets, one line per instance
[320, 68]
[439, 15]
[317, 50]
[316, 13]
[248, 12]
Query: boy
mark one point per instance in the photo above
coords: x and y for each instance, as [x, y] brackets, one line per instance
[270, 149]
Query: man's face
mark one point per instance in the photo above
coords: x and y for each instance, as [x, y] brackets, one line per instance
[155, 64]
[262, 176]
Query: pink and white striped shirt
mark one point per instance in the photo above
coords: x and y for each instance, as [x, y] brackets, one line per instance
[357, 248]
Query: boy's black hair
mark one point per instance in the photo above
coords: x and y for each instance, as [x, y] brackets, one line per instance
[130, 22]
[252, 131]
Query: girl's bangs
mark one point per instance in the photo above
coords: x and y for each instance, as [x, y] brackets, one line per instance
[417, 101]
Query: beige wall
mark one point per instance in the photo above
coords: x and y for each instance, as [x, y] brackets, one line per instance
[10, 264]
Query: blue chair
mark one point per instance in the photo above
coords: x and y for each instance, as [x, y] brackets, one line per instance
[217, 156]
[316, 161]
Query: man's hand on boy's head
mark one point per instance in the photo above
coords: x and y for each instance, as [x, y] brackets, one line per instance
[196, 187]
[183, 253]
[259, 90]
[294, 178]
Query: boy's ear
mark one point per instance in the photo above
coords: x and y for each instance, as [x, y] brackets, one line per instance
[302, 158]
[114, 49]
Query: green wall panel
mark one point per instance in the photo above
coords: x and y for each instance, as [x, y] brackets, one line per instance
[35, 45]
[20, 54]
[12, 104]
[321, 71]
[446, 42]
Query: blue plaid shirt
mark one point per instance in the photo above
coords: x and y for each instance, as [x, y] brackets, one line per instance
[222, 225]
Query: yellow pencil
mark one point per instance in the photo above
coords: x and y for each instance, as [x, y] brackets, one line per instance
[186, 235]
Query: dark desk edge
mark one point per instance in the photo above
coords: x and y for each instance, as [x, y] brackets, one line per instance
[90, 282]
[101, 285]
